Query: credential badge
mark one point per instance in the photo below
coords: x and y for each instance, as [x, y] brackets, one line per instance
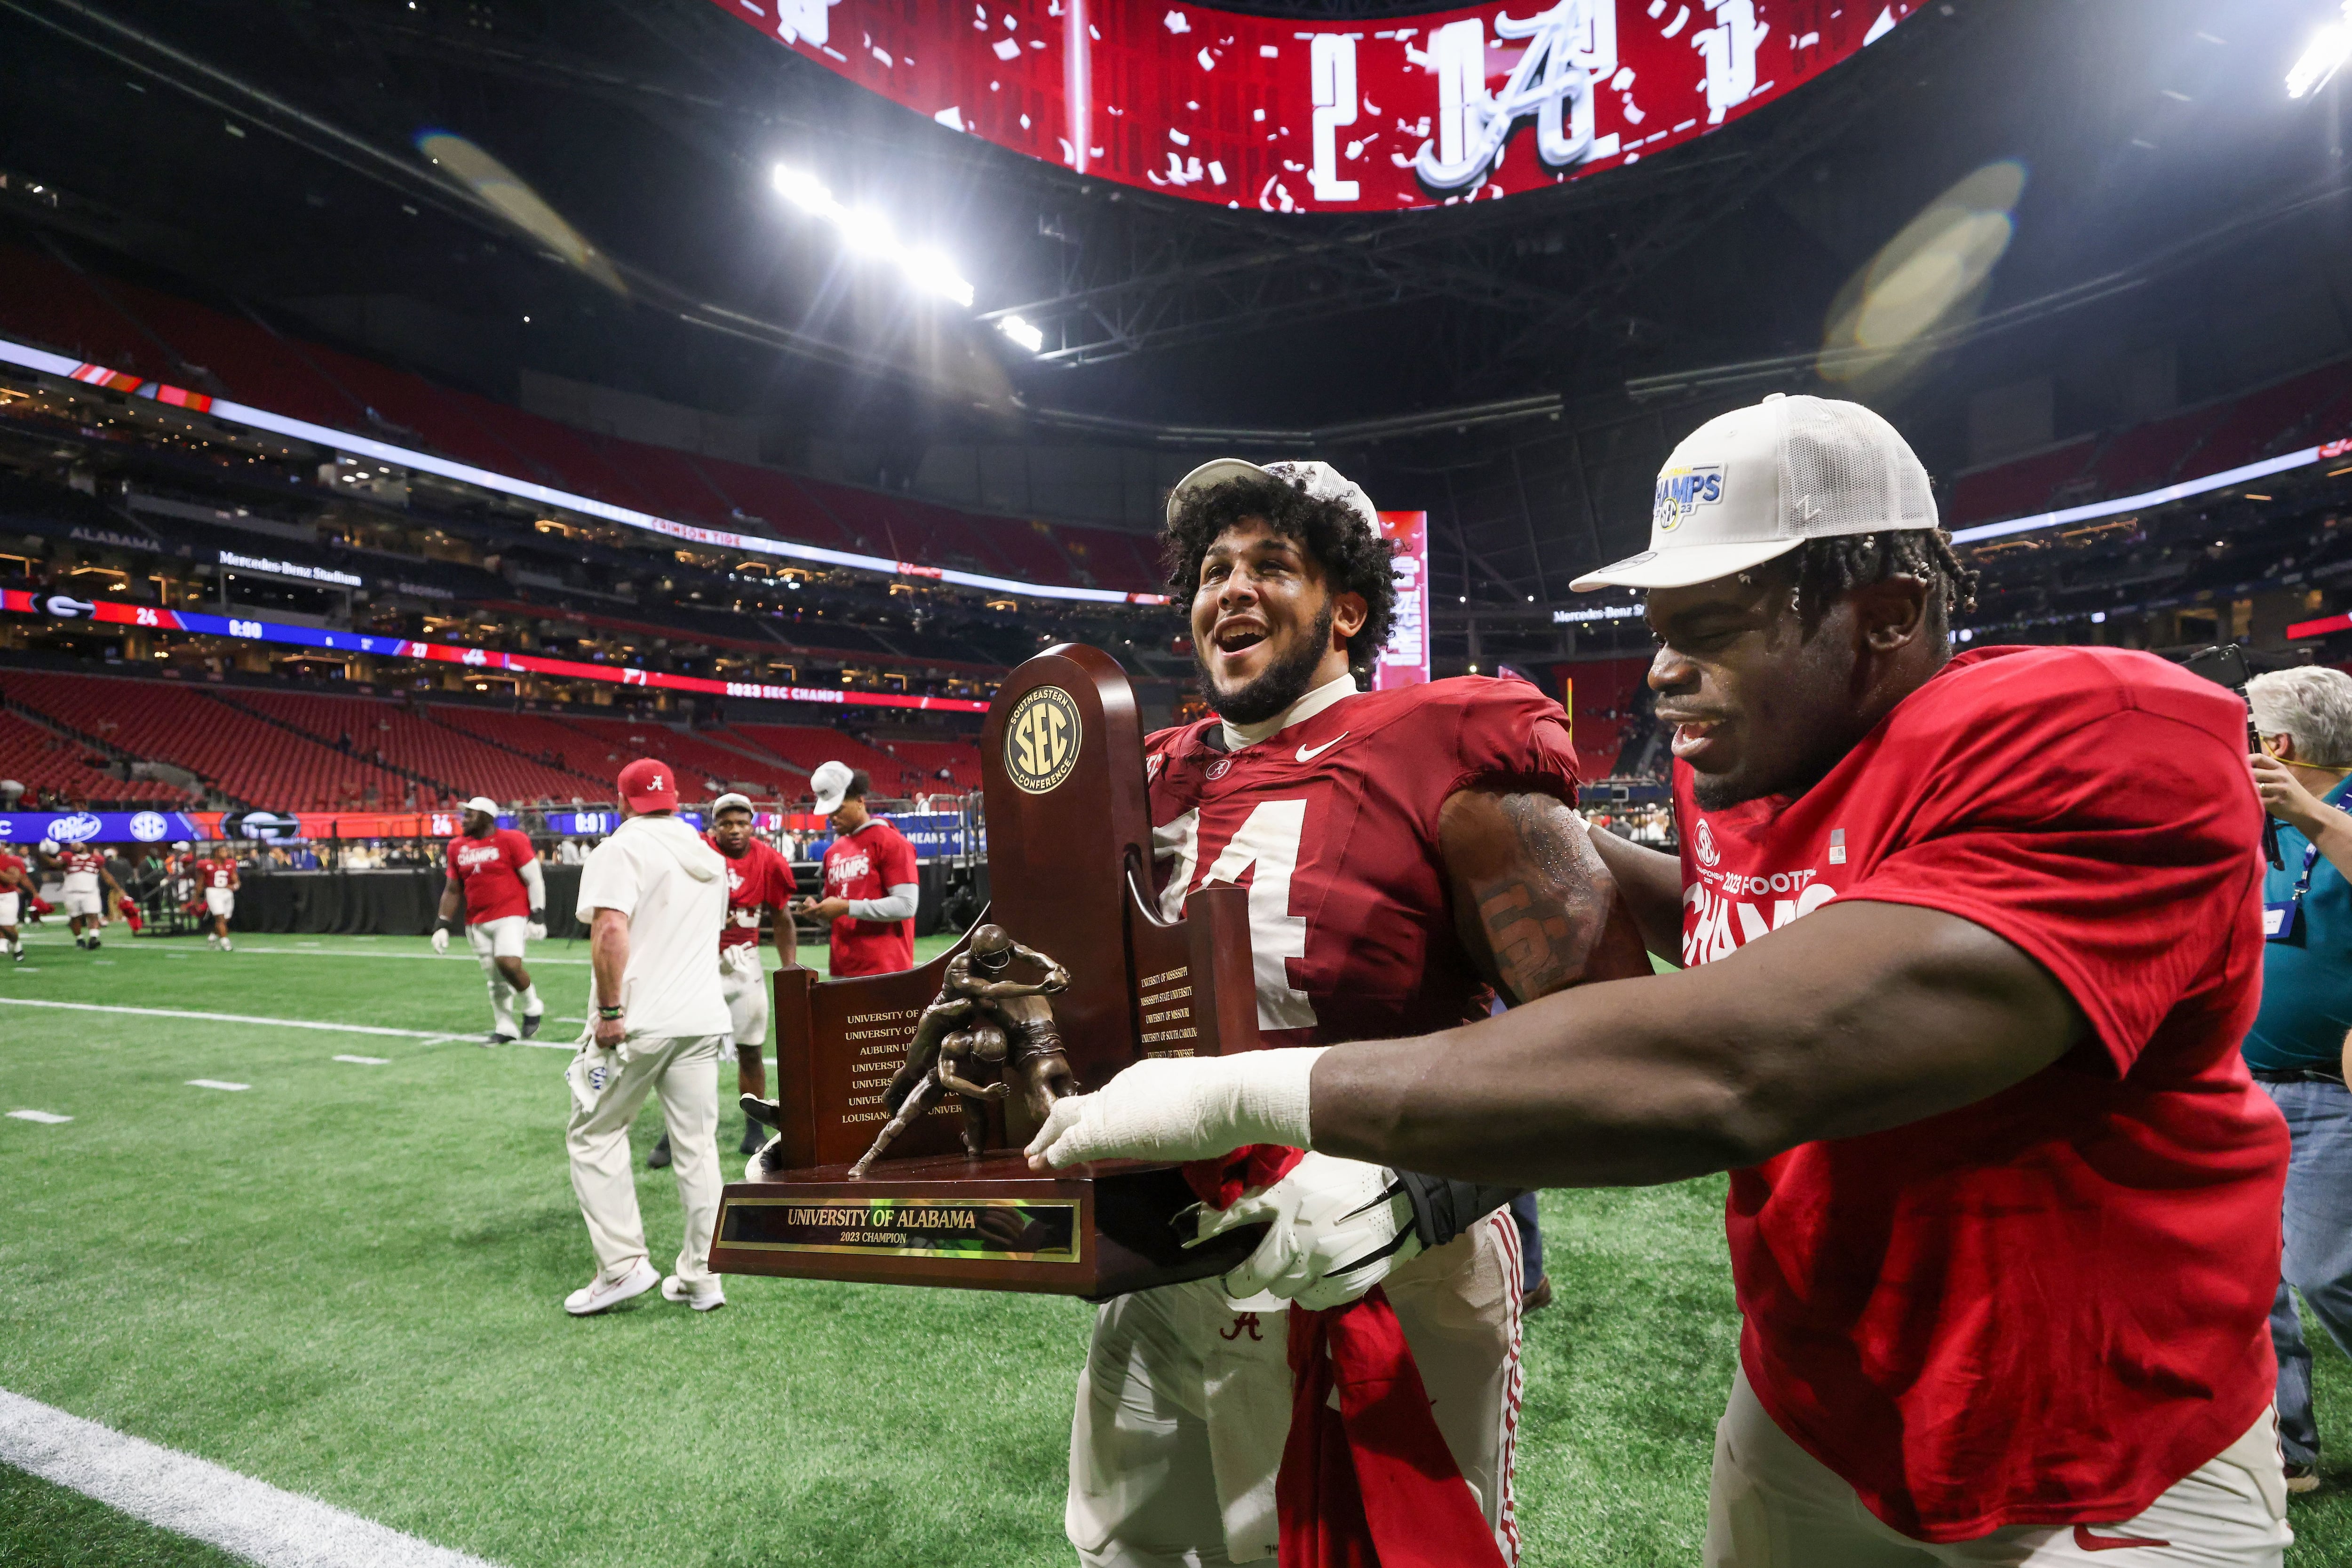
[1041, 740]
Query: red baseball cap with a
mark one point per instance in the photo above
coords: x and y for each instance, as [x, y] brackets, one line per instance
[649, 784]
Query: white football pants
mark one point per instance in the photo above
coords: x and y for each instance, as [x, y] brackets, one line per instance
[1184, 1406]
[492, 940]
[746, 991]
[1773, 1505]
[685, 1073]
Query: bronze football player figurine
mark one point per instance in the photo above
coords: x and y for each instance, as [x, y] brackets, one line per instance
[978, 1022]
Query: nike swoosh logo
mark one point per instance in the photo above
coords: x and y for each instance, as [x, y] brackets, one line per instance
[1307, 756]
[2085, 1541]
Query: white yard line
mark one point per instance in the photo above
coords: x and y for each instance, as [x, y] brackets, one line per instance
[366, 1061]
[217, 1083]
[47, 1118]
[427, 1035]
[530, 959]
[195, 1498]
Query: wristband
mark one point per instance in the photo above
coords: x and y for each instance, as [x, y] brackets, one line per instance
[609, 1013]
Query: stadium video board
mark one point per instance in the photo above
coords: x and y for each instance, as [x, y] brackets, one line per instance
[1284, 115]
[1405, 661]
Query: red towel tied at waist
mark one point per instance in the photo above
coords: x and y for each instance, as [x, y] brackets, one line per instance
[1371, 1484]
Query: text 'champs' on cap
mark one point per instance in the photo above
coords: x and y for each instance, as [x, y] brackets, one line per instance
[1752, 485]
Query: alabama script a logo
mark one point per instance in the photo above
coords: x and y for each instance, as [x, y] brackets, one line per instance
[1570, 44]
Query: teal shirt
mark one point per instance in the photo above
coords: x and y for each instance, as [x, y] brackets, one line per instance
[2306, 985]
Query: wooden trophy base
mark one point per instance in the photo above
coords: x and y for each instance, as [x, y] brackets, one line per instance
[984, 1224]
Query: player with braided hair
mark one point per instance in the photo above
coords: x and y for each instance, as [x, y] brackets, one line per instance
[1968, 946]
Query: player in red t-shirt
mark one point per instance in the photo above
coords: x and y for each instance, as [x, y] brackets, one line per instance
[869, 880]
[495, 872]
[758, 879]
[216, 874]
[1404, 851]
[14, 888]
[2004, 1215]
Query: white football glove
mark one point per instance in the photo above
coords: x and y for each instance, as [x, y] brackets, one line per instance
[536, 931]
[743, 958]
[1183, 1108]
[440, 938]
[1339, 1227]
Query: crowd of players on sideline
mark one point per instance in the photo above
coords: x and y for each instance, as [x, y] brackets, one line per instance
[90, 886]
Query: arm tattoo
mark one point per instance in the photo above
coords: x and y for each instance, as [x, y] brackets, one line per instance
[1540, 903]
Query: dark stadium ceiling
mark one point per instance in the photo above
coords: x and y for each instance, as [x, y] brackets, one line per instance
[267, 154]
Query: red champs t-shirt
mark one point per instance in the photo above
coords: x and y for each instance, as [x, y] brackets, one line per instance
[867, 864]
[490, 869]
[2047, 1307]
[758, 879]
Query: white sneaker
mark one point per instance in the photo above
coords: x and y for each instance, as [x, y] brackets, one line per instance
[212, 941]
[701, 1298]
[227, 946]
[600, 1294]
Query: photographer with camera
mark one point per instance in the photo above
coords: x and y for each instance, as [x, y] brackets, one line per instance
[2296, 1049]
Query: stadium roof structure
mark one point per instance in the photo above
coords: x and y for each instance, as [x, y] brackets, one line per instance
[1518, 366]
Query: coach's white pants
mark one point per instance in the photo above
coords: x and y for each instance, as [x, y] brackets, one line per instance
[1184, 1406]
[604, 1174]
[1773, 1505]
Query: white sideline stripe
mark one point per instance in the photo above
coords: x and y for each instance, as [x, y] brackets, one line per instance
[216, 1083]
[47, 1118]
[366, 1061]
[195, 1498]
[424, 957]
[224, 1018]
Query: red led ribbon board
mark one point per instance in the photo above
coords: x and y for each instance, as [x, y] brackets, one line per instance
[1290, 116]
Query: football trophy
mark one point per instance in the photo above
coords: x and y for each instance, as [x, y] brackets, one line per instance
[905, 1099]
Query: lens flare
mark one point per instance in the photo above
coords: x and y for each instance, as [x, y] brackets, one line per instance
[521, 205]
[1932, 275]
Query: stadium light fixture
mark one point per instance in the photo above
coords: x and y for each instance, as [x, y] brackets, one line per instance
[869, 233]
[2329, 49]
[1022, 333]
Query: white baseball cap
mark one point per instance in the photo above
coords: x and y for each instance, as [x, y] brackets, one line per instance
[832, 782]
[730, 799]
[482, 803]
[1319, 480]
[1752, 485]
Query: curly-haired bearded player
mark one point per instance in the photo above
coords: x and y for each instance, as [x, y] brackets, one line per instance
[1403, 849]
[1972, 944]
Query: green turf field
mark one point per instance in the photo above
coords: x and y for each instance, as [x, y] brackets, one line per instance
[344, 1279]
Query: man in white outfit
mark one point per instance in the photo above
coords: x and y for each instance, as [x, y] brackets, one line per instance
[654, 897]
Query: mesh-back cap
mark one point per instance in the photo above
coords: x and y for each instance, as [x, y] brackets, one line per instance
[1753, 483]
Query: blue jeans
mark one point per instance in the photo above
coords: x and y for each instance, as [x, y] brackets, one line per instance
[2318, 1261]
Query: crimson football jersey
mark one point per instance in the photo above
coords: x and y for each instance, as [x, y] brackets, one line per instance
[217, 873]
[1331, 824]
[758, 879]
[82, 862]
[10, 866]
[491, 872]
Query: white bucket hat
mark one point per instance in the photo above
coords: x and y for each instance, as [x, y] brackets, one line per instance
[1752, 485]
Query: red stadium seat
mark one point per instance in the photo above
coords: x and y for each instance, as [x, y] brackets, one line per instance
[2016, 488]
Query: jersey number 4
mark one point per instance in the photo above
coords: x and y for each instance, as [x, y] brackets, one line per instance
[1265, 850]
